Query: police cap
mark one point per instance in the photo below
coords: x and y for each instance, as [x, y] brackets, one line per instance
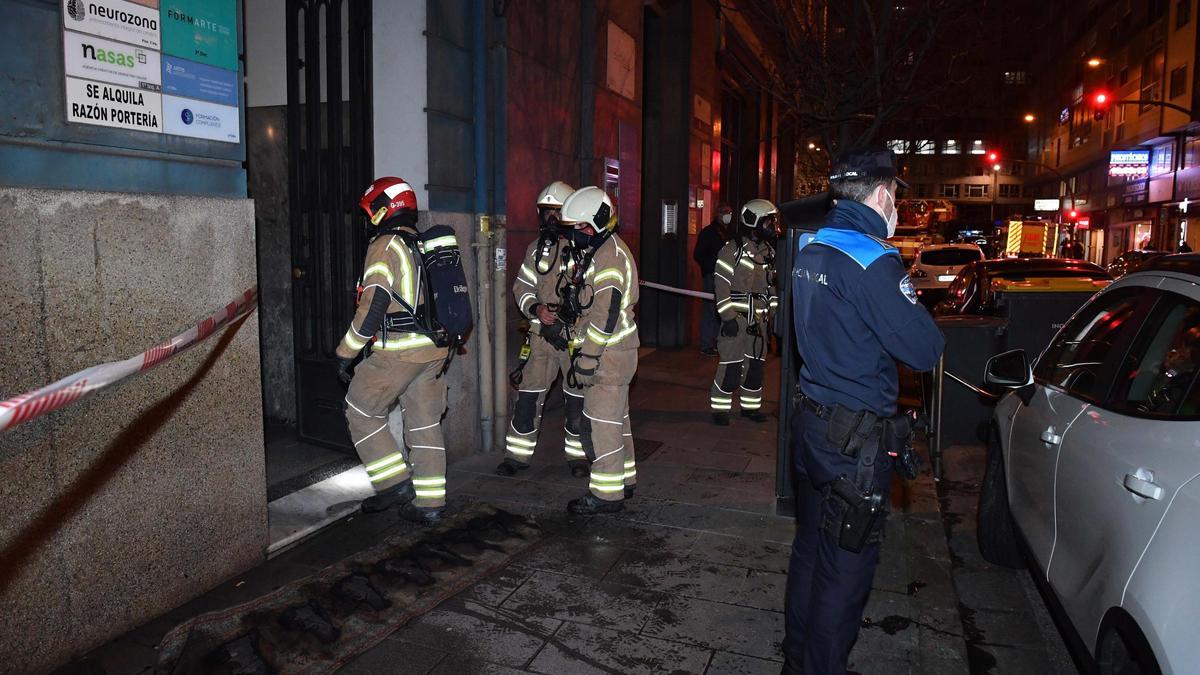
[867, 163]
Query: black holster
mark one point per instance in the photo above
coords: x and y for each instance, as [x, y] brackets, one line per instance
[554, 335]
[862, 514]
[849, 429]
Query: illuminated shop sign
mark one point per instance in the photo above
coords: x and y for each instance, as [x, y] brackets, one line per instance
[1129, 164]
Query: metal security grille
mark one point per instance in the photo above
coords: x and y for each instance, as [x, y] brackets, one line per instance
[329, 128]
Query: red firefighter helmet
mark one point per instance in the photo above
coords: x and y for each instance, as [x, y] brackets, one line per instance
[386, 197]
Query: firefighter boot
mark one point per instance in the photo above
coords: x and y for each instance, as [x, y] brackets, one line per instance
[591, 505]
[397, 495]
[754, 415]
[420, 516]
[510, 467]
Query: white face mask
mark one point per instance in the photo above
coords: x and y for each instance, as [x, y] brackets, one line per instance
[894, 217]
[726, 218]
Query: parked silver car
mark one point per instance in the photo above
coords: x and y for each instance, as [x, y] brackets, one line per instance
[1092, 470]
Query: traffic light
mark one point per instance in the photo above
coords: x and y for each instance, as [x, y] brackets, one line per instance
[1100, 102]
[1072, 215]
[993, 158]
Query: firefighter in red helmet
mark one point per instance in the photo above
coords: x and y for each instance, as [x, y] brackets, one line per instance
[398, 365]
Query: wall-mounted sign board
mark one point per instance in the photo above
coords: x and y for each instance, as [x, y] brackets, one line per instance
[118, 56]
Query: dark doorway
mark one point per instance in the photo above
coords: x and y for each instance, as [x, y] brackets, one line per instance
[329, 163]
[666, 114]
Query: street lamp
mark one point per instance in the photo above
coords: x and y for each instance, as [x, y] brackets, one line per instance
[1030, 117]
[1094, 62]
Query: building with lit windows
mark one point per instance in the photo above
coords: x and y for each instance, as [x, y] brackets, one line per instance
[1112, 121]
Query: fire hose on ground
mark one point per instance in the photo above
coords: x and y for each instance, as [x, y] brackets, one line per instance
[34, 404]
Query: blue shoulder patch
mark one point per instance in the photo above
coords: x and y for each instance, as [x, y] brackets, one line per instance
[861, 248]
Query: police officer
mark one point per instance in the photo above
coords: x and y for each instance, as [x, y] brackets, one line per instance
[856, 316]
[400, 365]
[606, 347]
[746, 299]
[536, 293]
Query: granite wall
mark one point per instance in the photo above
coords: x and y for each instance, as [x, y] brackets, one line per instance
[128, 503]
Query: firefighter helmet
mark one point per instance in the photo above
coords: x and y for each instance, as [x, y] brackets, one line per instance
[387, 197]
[760, 215]
[553, 195]
[590, 206]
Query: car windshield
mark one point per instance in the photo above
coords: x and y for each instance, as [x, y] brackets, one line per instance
[950, 256]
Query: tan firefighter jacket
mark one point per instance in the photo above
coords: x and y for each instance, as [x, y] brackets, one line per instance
[390, 266]
[743, 280]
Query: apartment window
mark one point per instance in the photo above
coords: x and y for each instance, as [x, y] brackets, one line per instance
[949, 190]
[924, 147]
[950, 147]
[978, 171]
[1123, 78]
[1152, 67]
[1011, 190]
[1014, 77]
[1183, 13]
[922, 189]
[898, 146]
[1191, 153]
[977, 147]
[1162, 159]
[977, 190]
[1178, 82]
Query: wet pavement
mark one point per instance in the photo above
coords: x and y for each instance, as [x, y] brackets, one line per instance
[689, 578]
[1005, 621]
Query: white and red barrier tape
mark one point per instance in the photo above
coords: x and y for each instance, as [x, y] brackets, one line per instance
[34, 404]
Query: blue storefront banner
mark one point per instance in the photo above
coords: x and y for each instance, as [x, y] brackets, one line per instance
[199, 81]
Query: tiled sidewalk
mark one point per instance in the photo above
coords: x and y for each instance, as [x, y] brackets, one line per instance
[690, 578]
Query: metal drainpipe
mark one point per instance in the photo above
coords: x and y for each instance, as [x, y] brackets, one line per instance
[500, 343]
[483, 250]
[498, 70]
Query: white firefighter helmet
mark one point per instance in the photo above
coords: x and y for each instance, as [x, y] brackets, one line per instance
[553, 195]
[757, 212]
[590, 206]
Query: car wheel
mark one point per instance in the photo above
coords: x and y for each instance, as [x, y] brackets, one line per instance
[1124, 651]
[995, 528]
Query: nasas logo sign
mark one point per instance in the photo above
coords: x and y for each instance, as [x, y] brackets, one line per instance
[114, 19]
[109, 61]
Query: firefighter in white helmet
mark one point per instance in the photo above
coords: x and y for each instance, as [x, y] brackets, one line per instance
[744, 290]
[545, 352]
[602, 291]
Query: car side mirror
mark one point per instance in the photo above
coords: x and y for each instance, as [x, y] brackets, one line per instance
[1011, 370]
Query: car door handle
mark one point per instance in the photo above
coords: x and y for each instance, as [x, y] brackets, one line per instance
[1141, 483]
[1049, 437]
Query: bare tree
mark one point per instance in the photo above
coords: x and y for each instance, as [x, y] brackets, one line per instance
[843, 70]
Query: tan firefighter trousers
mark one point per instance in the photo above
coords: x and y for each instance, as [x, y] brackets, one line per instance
[543, 367]
[378, 381]
[607, 437]
[741, 367]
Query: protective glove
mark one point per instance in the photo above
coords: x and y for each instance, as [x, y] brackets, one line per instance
[554, 336]
[729, 328]
[343, 370]
[583, 370]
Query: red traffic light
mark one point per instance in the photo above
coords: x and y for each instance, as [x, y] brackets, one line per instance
[993, 156]
[1101, 99]
[1072, 215]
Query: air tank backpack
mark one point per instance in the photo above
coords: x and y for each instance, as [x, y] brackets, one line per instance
[444, 313]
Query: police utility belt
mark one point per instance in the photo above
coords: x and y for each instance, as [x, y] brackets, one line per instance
[858, 503]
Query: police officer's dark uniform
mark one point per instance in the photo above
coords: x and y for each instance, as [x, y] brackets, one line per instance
[856, 315]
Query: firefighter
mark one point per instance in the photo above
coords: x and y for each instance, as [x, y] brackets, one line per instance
[604, 290]
[545, 353]
[397, 365]
[746, 300]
